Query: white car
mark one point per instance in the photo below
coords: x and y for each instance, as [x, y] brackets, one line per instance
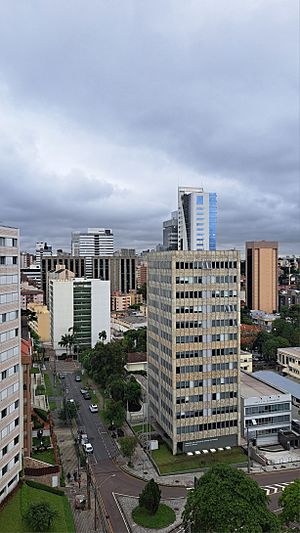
[88, 448]
[83, 391]
[93, 408]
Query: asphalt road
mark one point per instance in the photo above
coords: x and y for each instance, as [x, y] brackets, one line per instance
[110, 479]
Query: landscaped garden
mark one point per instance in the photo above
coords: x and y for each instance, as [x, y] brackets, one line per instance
[168, 463]
[12, 515]
[46, 455]
[163, 517]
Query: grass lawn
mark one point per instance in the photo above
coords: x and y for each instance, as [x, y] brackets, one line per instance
[11, 515]
[140, 428]
[48, 385]
[162, 518]
[52, 405]
[47, 456]
[167, 462]
[37, 442]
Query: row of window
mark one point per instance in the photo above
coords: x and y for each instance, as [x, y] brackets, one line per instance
[268, 420]
[8, 354]
[9, 297]
[206, 368]
[5, 393]
[8, 260]
[8, 317]
[225, 409]
[217, 337]
[207, 427]
[230, 293]
[228, 308]
[9, 372]
[205, 265]
[10, 409]
[205, 280]
[8, 241]
[9, 446]
[10, 465]
[9, 428]
[7, 335]
[269, 408]
[8, 279]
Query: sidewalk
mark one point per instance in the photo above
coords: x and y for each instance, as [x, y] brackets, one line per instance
[84, 520]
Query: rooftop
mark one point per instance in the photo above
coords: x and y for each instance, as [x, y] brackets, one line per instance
[282, 383]
[251, 387]
[293, 350]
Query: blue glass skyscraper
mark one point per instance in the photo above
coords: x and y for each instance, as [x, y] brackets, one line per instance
[197, 219]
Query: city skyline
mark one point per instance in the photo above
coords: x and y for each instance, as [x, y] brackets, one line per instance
[107, 111]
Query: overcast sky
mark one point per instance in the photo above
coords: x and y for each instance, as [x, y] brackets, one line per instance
[107, 106]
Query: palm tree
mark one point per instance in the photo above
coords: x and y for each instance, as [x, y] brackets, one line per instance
[65, 341]
[102, 335]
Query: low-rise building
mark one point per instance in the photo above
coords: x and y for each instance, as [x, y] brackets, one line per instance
[288, 297]
[30, 294]
[136, 362]
[264, 320]
[282, 383]
[120, 302]
[42, 324]
[289, 360]
[246, 361]
[265, 410]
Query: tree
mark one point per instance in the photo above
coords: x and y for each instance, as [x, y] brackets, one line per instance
[69, 410]
[133, 394]
[289, 500]
[40, 516]
[128, 446]
[102, 335]
[150, 497]
[117, 389]
[270, 347]
[226, 500]
[115, 413]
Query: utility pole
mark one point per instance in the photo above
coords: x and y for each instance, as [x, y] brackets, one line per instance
[95, 509]
[88, 482]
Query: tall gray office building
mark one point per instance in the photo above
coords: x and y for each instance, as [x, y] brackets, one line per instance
[94, 242]
[197, 219]
[170, 232]
[193, 342]
[11, 386]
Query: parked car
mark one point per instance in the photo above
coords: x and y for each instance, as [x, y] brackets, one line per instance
[84, 439]
[93, 408]
[83, 391]
[88, 447]
[87, 395]
[77, 378]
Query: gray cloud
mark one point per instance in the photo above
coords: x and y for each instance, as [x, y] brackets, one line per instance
[108, 107]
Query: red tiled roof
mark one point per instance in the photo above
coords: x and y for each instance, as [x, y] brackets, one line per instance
[136, 357]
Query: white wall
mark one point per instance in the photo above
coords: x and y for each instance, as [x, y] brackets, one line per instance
[62, 311]
[100, 301]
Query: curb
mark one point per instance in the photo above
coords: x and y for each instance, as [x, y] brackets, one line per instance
[133, 474]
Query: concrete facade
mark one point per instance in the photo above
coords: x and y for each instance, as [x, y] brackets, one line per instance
[289, 360]
[42, 325]
[81, 305]
[193, 347]
[11, 379]
[261, 275]
[264, 410]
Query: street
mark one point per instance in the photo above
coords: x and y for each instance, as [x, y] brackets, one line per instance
[110, 479]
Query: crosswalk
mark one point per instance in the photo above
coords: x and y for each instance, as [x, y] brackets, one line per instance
[276, 487]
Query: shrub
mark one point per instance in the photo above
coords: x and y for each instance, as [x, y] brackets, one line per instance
[41, 413]
[46, 488]
[40, 516]
[150, 497]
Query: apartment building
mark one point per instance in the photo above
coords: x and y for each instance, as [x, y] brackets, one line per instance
[11, 387]
[81, 305]
[193, 347]
[261, 275]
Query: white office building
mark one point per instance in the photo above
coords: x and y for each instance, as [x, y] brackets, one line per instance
[80, 306]
[94, 242]
[11, 387]
[197, 219]
[42, 249]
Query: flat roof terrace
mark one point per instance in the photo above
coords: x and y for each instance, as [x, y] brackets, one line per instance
[251, 387]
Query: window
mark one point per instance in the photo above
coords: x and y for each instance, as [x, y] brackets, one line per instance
[4, 470]
[4, 450]
[4, 412]
[16, 440]
[199, 200]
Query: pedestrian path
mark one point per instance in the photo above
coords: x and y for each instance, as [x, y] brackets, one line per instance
[276, 487]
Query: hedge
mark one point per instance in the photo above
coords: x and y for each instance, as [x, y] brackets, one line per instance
[46, 488]
[42, 414]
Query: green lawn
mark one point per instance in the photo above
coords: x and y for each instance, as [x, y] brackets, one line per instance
[140, 428]
[48, 385]
[162, 518]
[47, 456]
[37, 442]
[167, 462]
[11, 515]
[52, 405]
